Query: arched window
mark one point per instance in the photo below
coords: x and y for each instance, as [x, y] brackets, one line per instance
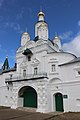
[35, 70]
[24, 73]
[53, 68]
[29, 58]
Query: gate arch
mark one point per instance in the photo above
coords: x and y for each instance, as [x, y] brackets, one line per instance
[29, 96]
[59, 102]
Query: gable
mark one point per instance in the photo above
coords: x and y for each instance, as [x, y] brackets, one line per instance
[35, 61]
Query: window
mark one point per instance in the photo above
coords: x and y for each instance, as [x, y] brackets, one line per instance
[65, 96]
[78, 102]
[78, 72]
[29, 58]
[24, 73]
[53, 68]
[35, 70]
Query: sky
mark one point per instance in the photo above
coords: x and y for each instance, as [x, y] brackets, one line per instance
[18, 16]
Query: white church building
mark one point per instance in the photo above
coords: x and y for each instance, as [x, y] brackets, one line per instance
[44, 77]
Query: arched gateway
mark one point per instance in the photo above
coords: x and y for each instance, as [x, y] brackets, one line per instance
[29, 96]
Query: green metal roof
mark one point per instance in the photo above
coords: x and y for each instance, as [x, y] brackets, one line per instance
[6, 64]
[36, 38]
[27, 52]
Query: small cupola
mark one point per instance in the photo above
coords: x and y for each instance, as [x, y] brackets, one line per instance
[57, 41]
[25, 38]
[41, 16]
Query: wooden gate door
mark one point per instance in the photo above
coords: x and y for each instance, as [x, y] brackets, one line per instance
[59, 102]
[30, 98]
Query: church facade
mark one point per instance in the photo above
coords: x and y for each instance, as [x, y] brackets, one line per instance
[44, 76]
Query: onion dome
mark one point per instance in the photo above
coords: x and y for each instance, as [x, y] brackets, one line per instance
[41, 14]
[25, 33]
[57, 41]
[25, 38]
[56, 36]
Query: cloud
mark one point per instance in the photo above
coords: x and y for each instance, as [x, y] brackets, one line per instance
[66, 35]
[1, 65]
[1, 18]
[20, 15]
[73, 46]
[1, 3]
[0, 47]
[14, 26]
[12, 56]
[79, 23]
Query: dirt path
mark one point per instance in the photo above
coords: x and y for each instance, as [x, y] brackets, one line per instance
[9, 114]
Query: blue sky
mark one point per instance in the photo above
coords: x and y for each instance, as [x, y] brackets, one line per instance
[17, 16]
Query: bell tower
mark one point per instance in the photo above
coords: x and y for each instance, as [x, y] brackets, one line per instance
[41, 27]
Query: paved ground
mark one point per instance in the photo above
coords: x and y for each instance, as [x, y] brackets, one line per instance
[9, 114]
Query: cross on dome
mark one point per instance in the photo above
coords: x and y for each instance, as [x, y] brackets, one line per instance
[41, 12]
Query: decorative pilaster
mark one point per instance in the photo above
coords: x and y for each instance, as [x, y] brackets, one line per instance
[42, 97]
[14, 98]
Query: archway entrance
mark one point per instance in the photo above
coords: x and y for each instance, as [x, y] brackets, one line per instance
[29, 96]
[59, 102]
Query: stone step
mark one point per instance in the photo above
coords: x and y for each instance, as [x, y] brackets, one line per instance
[4, 107]
[55, 113]
[28, 109]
